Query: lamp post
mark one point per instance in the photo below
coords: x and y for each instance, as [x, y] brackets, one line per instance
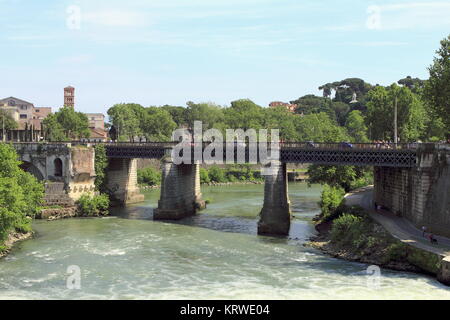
[395, 122]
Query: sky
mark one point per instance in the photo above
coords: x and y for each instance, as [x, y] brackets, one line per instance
[156, 52]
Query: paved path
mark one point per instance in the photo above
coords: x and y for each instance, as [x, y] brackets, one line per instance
[399, 227]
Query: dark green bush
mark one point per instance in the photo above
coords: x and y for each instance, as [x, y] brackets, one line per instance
[93, 206]
[217, 174]
[204, 176]
[330, 200]
[149, 177]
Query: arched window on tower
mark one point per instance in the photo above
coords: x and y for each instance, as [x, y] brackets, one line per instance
[58, 167]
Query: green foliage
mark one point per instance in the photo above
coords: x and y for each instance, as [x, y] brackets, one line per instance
[101, 163]
[128, 119]
[93, 206]
[204, 176]
[437, 88]
[217, 174]
[20, 194]
[149, 177]
[158, 124]
[349, 230]
[346, 177]
[244, 114]
[319, 127]
[7, 121]
[411, 114]
[66, 124]
[208, 113]
[331, 199]
[356, 127]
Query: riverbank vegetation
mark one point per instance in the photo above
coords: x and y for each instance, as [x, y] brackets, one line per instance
[21, 196]
[230, 174]
[349, 233]
[93, 205]
[150, 177]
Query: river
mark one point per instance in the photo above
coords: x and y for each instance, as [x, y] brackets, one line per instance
[214, 255]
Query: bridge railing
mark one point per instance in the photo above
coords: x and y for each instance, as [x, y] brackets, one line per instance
[283, 145]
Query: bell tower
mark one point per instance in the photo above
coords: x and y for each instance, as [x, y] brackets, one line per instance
[69, 97]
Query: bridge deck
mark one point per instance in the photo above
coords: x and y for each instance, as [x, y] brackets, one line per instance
[326, 154]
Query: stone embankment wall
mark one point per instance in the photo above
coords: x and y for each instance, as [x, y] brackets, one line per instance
[420, 194]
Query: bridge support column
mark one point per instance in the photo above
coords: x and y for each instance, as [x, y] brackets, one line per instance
[275, 217]
[122, 181]
[180, 191]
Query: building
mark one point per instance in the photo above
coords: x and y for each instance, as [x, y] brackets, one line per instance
[28, 117]
[69, 97]
[288, 106]
[97, 126]
[96, 120]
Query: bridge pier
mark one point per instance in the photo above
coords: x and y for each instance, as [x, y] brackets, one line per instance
[122, 181]
[275, 217]
[180, 191]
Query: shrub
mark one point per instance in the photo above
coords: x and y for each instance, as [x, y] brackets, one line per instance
[93, 206]
[330, 200]
[101, 162]
[204, 176]
[20, 195]
[217, 175]
[349, 229]
[149, 177]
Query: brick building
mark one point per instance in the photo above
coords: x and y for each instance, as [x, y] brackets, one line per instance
[69, 97]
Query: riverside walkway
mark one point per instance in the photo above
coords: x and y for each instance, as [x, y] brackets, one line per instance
[398, 227]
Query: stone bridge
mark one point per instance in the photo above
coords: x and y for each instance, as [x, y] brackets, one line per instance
[411, 180]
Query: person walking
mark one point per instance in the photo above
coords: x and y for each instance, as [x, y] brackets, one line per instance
[424, 231]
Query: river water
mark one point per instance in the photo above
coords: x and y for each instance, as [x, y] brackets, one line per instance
[215, 255]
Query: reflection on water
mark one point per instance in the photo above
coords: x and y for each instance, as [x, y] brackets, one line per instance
[214, 255]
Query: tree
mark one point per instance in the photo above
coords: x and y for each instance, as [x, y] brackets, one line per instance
[411, 115]
[209, 114]
[244, 114]
[158, 124]
[319, 128]
[178, 114]
[313, 104]
[280, 118]
[20, 195]
[101, 163]
[437, 88]
[356, 127]
[128, 118]
[346, 177]
[414, 84]
[66, 124]
[7, 120]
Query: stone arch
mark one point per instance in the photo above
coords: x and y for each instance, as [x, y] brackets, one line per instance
[32, 169]
[58, 165]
